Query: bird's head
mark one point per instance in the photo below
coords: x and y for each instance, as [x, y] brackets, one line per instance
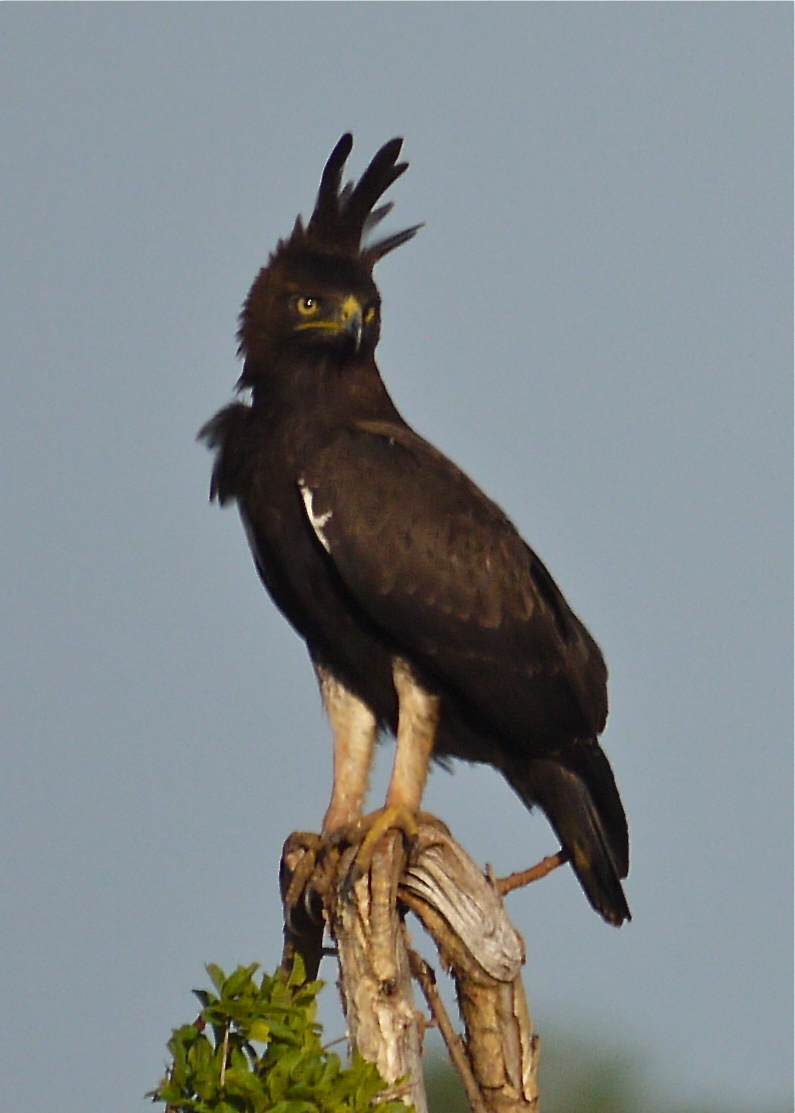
[317, 292]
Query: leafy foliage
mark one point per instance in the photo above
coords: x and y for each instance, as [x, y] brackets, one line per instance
[255, 1048]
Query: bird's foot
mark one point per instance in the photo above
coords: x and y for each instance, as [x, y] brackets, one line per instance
[368, 831]
[307, 867]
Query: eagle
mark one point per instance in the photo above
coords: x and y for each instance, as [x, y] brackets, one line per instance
[424, 612]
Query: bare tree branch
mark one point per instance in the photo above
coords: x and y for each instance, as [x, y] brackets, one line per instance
[461, 908]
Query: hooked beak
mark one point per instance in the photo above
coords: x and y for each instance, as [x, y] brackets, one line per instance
[351, 319]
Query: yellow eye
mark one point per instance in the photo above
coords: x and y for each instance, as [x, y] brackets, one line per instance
[369, 315]
[307, 307]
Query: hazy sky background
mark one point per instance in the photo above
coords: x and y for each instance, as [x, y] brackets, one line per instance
[595, 322]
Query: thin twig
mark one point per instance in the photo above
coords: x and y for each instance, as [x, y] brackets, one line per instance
[426, 979]
[535, 873]
[225, 1054]
[334, 1043]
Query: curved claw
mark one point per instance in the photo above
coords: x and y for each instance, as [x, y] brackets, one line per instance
[304, 871]
[368, 831]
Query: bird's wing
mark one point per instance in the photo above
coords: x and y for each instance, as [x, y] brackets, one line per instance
[441, 569]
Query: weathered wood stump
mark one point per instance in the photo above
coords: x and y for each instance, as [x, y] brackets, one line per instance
[461, 908]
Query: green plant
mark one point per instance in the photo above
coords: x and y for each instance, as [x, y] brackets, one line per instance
[256, 1048]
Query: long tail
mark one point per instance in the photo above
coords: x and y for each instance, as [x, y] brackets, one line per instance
[578, 793]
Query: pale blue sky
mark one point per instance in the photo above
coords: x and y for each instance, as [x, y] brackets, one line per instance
[595, 322]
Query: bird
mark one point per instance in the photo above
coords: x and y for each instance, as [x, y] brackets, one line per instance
[425, 614]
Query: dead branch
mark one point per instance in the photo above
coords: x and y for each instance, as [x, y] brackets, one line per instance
[375, 974]
[462, 910]
[513, 881]
[426, 979]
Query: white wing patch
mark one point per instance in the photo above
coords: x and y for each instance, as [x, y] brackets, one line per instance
[317, 521]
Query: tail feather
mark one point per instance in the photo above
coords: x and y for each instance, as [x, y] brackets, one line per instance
[577, 792]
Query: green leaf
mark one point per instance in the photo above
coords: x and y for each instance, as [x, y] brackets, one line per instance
[260, 1030]
[239, 981]
[244, 1084]
[291, 1073]
[217, 977]
[294, 1107]
[298, 973]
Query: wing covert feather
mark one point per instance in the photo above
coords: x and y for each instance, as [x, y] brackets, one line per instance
[440, 567]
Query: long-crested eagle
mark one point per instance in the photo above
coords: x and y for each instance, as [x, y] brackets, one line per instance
[424, 612]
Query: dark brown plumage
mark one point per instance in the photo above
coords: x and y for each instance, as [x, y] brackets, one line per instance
[424, 612]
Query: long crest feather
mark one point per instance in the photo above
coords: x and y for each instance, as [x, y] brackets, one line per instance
[343, 215]
[328, 195]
